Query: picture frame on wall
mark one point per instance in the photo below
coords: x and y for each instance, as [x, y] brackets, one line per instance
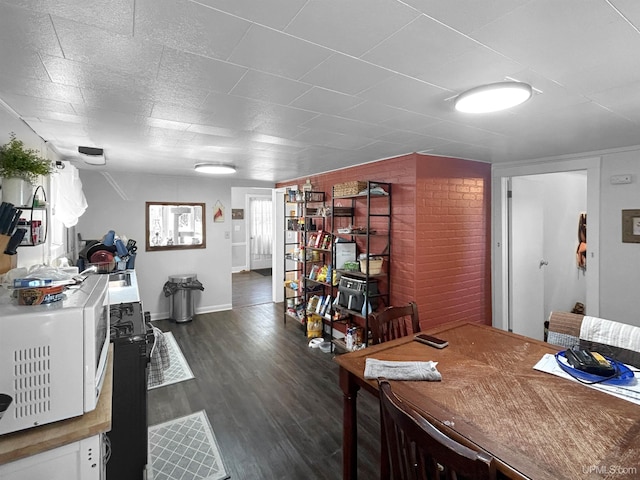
[631, 226]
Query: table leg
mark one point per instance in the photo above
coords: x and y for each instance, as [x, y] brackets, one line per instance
[349, 426]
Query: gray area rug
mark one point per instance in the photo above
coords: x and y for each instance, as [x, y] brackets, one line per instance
[185, 449]
[178, 370]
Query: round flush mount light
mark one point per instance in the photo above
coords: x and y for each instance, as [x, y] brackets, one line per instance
[493, 97]
[215, 168]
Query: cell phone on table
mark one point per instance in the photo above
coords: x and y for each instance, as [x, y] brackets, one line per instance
[430, 340]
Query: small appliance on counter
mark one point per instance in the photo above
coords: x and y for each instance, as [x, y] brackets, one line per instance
[53, 357]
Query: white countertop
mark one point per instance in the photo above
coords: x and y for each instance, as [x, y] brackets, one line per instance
[126, 294]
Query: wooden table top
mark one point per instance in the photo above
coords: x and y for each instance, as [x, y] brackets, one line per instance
[537, 425]
[17, 445]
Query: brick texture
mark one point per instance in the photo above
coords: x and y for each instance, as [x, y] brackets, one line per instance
[440, 241]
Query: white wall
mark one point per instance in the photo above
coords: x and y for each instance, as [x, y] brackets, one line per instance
[125, 214]
[620, 262]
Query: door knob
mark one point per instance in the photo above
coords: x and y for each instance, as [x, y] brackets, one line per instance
[543, 263]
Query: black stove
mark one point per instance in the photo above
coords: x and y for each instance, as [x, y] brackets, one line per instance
[132, 338]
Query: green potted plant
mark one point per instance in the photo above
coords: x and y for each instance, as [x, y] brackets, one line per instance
[20, 168]
[16, 161]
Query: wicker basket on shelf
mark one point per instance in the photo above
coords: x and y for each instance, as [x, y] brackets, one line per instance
[375, 265]
[349, 188]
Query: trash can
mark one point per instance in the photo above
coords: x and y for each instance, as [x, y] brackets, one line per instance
[181, 302]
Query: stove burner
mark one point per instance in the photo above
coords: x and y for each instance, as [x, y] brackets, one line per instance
[122, 328]
[126, 320]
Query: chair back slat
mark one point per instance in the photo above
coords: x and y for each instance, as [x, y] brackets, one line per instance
[394, 322]
[417, 450]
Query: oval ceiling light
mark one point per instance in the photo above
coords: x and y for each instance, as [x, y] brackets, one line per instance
[215, 168]
[493, 97]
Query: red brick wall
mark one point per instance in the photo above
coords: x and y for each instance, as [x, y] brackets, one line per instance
[453, 258]
[440, 232]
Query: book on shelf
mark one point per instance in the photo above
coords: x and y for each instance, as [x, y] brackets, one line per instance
[320, 304]
[326, 306]
[313, 273]
[313, 239]
[318, 239]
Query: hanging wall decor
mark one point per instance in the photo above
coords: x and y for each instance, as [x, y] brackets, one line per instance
[581, 251]
[218, 212]
[237, 214]
[631, 226]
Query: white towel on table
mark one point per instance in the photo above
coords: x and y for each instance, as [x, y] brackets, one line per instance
[392, 370]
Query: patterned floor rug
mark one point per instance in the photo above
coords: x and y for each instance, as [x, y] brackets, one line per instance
[185, 449]
[178, 370]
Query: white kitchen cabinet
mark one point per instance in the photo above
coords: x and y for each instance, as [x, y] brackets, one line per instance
[80, 460]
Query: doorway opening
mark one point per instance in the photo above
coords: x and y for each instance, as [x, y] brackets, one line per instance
[521, 300]
[252, 246]
[545, 212]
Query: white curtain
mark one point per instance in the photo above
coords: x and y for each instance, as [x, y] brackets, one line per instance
[261, 226]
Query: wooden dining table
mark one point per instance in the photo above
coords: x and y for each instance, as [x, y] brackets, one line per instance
[536, 425]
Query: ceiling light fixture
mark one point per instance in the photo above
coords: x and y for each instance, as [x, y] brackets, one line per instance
[215, 168]
[493, 97]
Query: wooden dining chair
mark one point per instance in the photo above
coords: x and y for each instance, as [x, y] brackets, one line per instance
[417, 450]
[394, 322]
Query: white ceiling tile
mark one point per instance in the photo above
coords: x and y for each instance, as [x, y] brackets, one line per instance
[177, 67]
[424, 43]
[168, 111]
[410, 121]
[87, 44]
[474, 67]
[79, 74]
[346, 126]
[39, 89]
[29, 30]
[370, 111]
[198, 29]
[630, 9]
[346, 74]
[465, 15]
[322, 137]
[269, 88]
[458, 132]
[274, 13]
[113, 15]
[117, 101]
[321, 100]
[352, 27]
[568, 35]
[277, 53]
[32, 107]
[406, 93]
[21, 62]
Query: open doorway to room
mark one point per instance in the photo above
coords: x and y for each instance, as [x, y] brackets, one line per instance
[252, 246]
[536, 217]
[545, 213]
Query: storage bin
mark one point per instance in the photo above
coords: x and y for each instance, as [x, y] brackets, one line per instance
[375, 265]
[349, 188]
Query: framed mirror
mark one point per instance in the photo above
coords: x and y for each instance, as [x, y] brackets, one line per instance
[175, 226]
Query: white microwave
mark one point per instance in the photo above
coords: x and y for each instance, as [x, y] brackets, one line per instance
[53, 357]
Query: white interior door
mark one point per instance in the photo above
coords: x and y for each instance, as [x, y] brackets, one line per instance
[260, 232]
[527, 258]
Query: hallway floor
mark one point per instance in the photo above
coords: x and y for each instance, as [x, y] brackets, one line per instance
[274, 404]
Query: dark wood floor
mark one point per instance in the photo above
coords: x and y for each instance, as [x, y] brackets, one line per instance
[274, 403]
[250, 288]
